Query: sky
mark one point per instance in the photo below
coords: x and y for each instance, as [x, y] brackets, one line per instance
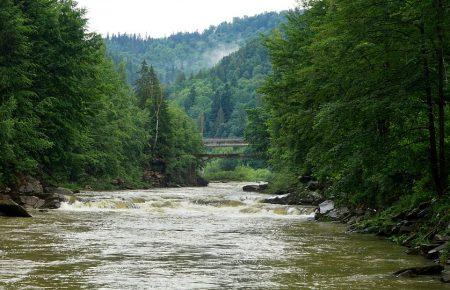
[159, 18]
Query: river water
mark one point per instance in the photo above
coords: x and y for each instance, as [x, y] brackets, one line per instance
[193, 238]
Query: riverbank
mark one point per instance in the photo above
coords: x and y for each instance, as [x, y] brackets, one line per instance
[31, 193]
[423, 227]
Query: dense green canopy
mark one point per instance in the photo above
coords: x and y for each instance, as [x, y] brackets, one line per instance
[357, 98]
[66, 114]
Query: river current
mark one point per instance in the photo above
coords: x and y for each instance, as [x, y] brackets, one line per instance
[193, 238]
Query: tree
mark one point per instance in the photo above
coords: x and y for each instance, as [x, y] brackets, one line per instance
[190, 100]
[152, 100]
[347, 93]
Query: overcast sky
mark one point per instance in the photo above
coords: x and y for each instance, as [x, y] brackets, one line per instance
[158, 18]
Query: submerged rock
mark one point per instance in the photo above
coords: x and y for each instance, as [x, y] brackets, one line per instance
[255, 187]
[11, 209]
[420, 271]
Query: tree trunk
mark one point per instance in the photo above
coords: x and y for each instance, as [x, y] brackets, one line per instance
[430, 112]
[441, 80]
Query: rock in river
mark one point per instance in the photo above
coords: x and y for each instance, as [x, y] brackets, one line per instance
[304, 198]
[60, 190]
[255, 187]
[11, 209]
[419, 271]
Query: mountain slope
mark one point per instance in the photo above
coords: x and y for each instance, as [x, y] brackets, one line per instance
[219, 98]
[186, 53]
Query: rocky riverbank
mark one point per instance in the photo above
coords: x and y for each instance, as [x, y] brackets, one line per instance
[31, 194]
[411, 227]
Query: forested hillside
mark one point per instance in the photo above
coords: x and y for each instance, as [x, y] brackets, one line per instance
[219, 98]
[67, 115]
[358, 100]
[182, 54]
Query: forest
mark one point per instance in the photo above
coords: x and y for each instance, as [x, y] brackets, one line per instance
[358, 100]
[184, 54]
[68, 116]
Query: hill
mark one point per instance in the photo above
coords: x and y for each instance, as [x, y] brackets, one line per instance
[219, 98]
[183, 54]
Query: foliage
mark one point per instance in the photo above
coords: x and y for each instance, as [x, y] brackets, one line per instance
[66, 114]
[357, 98]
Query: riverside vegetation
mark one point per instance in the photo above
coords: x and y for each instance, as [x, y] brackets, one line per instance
[67, 116]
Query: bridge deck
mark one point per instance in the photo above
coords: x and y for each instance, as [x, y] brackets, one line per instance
[223, 155]
[224, 142]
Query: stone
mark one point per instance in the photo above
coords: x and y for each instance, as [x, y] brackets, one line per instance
[54, 201]
[30, 185]
[52, 204]
[420, 271]
[425, 250]
[30, 201]
[61, 191]
[255, 187]
[9, 208]
[438, 249]
[326, 206]
[338, 213]
[304, 198]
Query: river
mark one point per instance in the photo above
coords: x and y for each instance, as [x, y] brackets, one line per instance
[193, 238]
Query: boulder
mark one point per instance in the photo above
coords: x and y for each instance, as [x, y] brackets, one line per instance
[436, 251]
[31, 201]
[60, 190]
[326, 206]
[420, 271]
[52, 204]
[255, 187]
[54, 201]
[11, 209]
[201, 182]
[328, 212]
[31, 186]
[304, 198]
[339, 213]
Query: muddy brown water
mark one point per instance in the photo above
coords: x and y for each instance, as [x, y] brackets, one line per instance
[194, 238]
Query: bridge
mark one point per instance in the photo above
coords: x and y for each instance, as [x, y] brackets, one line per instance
[212, 143]
[224, 142]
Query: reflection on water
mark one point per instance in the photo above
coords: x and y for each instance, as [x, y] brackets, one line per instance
[193, 238]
